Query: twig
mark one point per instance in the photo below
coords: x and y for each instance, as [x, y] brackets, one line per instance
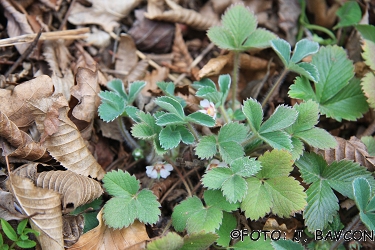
[277, 83]
[180, 175]
[67, 13]
[236, 71]
[24, 55]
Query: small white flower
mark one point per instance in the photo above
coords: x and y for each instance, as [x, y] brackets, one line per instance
[216, 164]
[159, 169]
[208, 108]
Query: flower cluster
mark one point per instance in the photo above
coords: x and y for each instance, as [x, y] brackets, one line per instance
[159, 169]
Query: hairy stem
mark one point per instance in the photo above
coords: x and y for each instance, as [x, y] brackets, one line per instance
[224, 113]
[129, 140]
[193, 131]
[236, 70]
[277, 83]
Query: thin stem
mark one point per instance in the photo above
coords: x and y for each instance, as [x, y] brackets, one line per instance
[277, 83]
[179, 174]
[350, 226]
[236, 70]
[193, 131]
[250, 139]
[126, 135]
[224, 114]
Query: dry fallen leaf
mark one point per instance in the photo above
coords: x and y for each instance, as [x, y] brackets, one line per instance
[352, 149]
[103, 13]
[15, 105]
[7, 209]
[181, 56]
[323, 15]
[62, 138]
[44, 207]
[272, 224]
[126, 56]
[72, 228]
[103, 237]
[76, 190]
[289, 12]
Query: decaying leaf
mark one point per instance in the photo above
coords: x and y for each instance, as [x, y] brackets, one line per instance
[181, 56]
[323, 15]
[126, 56]
[159, 188]
[103, 237]
[26, 148]
[76, 189]
[354, 149]
[177, 14]
[151, 35]
[15, 105]
[248, 62]
[29, 171]
[7, 209]
[45, 206]
[289, 12]
[287, 232]
[72, 228]
[138, 72]
[62, 138]
[103, 13]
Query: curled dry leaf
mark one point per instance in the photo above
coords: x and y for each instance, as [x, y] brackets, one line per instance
[181, 56]
[44, 207]
[76, 189]
[272, 225]
[26, 148]
[126, 56]
[7, 209]
[103, 13]
[17, 24]
[159, 188]
[138, 72]
[177, 14]
[248, 62]
[15, 104]
[152, 35]
[62, 138]
[73, 228]
[103, 237]
[29, 171]
[354, 149]
[323, 15]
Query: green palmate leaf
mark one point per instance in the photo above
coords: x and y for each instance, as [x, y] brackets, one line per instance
[277, 140]
[166, 87]
[286, 245]
[186, 136]
[201, 119]
[224, 84]
[317, 137]
[134, 89]
[282, 49]
[272, 189]
[301, 89]
[335, 71]
[147, 207]
[368, 87]
[304, 48]
[169, 137]
[132, 111]
[368, 50]
[245, 166]
[112, 106]
[349, 14]
[228, 224]
[369, 141]
[233, 131]
[248, 244]
[322, 202]
[282, 117]
[222, 37]
[143, 131]
[230, 151]
[308, 116]
[297, 149]
[204, 82]
[8, 230]
[367, 31]
[215, 198]
[170, 105]
[206, 147]
[198, 241]
[119, 183]
[206, 90]
[305, 69]
[254, 113]
[119, 212]
[169, 119]
[362, 193]
[215, 178]
[260, 38]
[117, 86]
[171, 241]
[183, 211]
[234, 188]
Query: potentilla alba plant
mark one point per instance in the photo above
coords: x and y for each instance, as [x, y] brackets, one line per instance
[208, 108]
[159, 169]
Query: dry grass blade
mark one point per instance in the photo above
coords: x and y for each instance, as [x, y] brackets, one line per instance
[177, 14]
[62, 138]
[76, 189]
[354, 149]
[45, 205]
[26, 148]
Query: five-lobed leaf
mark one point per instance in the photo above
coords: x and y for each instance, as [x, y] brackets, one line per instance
[254, 113]
[349, 14]
[304, 48]
[282, 49]
[206, 147]
[119, 183]
[112, 106]
[366, 204]
[282, 118]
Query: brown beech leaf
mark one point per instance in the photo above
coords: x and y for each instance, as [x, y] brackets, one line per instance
[72, 228]
[66, 145]
[138, 72]
[28, 171]
[14, 104]
[17, 24]
[323, 15]
[76, 189]
[159, 188]
[272, 224]
[103, 237]
[7, 209]
[44, 207]
[26, 148]
[177, 14]
[103, 13]
[152, 35]
[126, 55]
[181, 55]
[352, 149]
